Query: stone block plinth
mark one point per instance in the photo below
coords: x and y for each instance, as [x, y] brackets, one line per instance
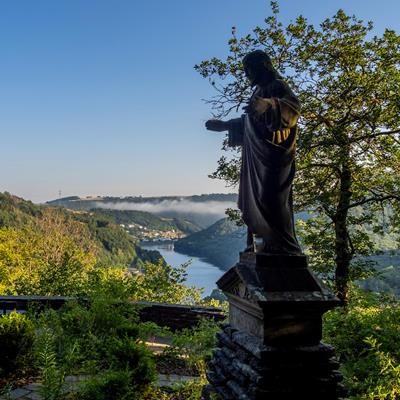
[243, 368]
[272, 347]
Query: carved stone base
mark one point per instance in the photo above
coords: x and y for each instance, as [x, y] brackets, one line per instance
[245, 369]
[276, 298]
[271, 350]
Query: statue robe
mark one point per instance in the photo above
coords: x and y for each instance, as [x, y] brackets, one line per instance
[268, 150]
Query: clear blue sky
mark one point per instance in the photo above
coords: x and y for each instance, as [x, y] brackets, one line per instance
[100, 97]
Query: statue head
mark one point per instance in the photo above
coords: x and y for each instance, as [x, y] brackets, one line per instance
[258, 67]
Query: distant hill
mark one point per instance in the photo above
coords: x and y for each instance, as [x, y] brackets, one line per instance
[88, 201]
[138, 223]
[388, 280]
[201, 210]
[114, 246]
[219, 244]
[16, 212]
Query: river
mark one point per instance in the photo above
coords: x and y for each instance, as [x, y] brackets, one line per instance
[199, 273]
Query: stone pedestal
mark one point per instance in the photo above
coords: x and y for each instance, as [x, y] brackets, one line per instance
[271, 348]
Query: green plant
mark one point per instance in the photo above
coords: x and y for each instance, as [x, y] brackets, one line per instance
[190, 390]
[126, 354]
[52, 374]
[196, 344]
[108, 385]
[165, 284]
[387, 387]
[97, 336]
[16, 338]
[151, 329]
[365, 335]
[6, 392]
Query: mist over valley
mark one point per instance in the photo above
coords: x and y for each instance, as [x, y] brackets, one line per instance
[202, 210]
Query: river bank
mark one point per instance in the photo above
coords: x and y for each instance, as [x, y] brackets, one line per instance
[200, 273]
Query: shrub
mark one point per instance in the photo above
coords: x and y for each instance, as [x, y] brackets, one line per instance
[365, 335]
[109, 385]
[99, 337]
[190, 390]
[387, 386]
[16, 338]
[197, 343]
[125, 353]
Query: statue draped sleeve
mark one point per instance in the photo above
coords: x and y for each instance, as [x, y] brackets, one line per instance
[267, 170]
[277, 123]
[235, 132]
[279, 120]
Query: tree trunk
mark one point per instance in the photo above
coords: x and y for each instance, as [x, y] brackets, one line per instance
[342, 241]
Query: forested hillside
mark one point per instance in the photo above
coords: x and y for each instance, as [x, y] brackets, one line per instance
[98, 234]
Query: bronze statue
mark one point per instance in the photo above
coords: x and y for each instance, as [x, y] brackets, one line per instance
[267, 134]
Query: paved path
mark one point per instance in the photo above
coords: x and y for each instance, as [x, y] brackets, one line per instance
[156, 344]
[32, 391]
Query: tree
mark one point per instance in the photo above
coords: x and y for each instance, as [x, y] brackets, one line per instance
[348, 82]
[51, 255]
[163, 283]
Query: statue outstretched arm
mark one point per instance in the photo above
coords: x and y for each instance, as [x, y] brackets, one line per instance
[217, 125]
[233, 126]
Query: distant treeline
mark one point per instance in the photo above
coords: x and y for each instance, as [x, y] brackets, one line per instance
[148, 220]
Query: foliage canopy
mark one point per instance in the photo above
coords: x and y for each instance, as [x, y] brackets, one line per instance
[349, 144]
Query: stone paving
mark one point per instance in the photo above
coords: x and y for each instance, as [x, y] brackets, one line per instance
[32, 391]
[156, 345]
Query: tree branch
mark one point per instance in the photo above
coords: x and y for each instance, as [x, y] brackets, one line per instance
[371, 199]
[374, 135]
